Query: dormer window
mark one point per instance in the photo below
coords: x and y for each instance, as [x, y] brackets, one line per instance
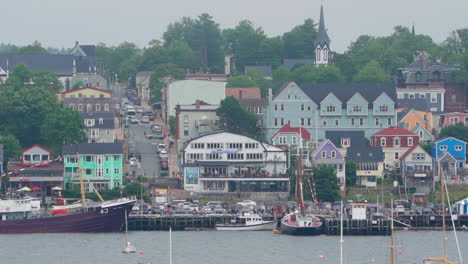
[418, 76]
[331, 108]
[27, 157]
[383, 108]
[98, 108]
[357, 108]
[345, 142]
[396, 141]
[383, 142]
[101, 121]
[324, 154]
[436, 76]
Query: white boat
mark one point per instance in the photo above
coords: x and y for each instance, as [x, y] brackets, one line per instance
[129, 248]
[247, 222]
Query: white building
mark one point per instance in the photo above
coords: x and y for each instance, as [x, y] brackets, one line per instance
[224, 163]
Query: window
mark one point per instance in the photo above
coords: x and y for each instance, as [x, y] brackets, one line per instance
[72, 159]
[106, 107]
[197, 145]
[345, 142]
[80, 108]
[361, 121]
[99, 160]
[282, 107]
[251, 145]
[276, 107]
[324, 123]
[454, 120]
[325, 54]
[88, 171]
[276, 121]
[377, 121]
[302, 122]
[235, 156]
[396, 141]
[27, 157]
[282, 140]
[383, 142]
[107, 171]
[411, 96]
[458, 148]
[383, 108]
[418, 156]
[186, 131]
[420, 133]
[396, 155]
[36, 157]
[436, 76]
[101, 121]
[294, 140]
[289, 96]
[99, 172]
[389, 121]
[410, 141]
[318, 54]
[453, 98]
[433, 98]
[337, 122]
[214, 146]
[302, 107]
[418, 76]
[98, 107]
[357, 108]
[88, 158]
[443, 147]
[253, 156]
[116, 171]
[324, 154]
[331, 108]
[116, 158]
[106, 158]
[89, 108]
[308, 107]
[213, 156]
[282, 121]
[72, 106]
[309, 121]
[352, 121]
[333, 154]
[234, 145]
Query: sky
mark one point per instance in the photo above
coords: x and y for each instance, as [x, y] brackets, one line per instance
[59, 23]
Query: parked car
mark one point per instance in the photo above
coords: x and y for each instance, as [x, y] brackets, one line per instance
[155, 136]
[148, 113]
[133, 161]
[134, 121]
[206, 209]
[247, 203]
[161, 147]
[145, 120]
[163, 154]
[140, 110]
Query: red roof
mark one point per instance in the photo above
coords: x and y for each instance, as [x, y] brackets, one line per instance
[36, 145]
[394, 131]
[86, 87]
[243, 92]
[299, 130]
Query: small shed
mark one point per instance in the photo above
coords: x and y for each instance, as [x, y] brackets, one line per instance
[359, 211]
[462, 207]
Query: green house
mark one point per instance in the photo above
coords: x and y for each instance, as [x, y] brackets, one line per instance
[101, 164]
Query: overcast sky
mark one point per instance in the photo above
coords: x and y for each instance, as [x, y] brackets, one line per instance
[59, 23]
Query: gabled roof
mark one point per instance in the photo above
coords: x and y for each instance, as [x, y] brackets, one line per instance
[410, 150]
[417, 127]
[86, 87]
[344, 91]
[421, 104]
[90, 50]
[298, 130]
[38, 146]
[322, 36]
[266, 71]
[93, 148]
[61, 65]
[365, 153]
[394, 131]
[446, 138]
[402, 113]
[323, 144]
[290, 63]
[97, 115]
[356, 137]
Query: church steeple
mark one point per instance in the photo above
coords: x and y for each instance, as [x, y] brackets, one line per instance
[322, 44]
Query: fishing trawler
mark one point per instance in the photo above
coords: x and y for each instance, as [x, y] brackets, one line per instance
[21, 216]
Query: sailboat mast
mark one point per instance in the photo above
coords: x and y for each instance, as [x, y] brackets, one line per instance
[392, 246]
[444, 232]
[126, 229]
[341, 233]
[300, 198]
[82, 188]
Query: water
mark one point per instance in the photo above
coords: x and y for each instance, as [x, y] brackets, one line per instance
[212, 247]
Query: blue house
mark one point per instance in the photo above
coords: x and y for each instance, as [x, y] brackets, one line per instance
[367, 107]
[455, 147]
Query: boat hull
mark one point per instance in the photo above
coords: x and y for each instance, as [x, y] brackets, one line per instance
[267, 226]
[292, 224]
[301, 231]
[106, 218]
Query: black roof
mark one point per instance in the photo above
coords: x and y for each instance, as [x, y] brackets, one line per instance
[357, 137]
[421, 104]
[90, 50]
[85, 64]
[58, 64]
[266, 71]
[403, 113]
[290, 63]
[104, 115]
[344, 91]
[93, 148]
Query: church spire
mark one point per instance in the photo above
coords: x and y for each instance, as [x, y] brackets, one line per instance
[412, 31]
[322, 37]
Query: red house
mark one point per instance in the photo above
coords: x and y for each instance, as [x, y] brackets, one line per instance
[395, 142]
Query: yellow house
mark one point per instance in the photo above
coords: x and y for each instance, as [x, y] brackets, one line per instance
[85, 92]
[409, 118]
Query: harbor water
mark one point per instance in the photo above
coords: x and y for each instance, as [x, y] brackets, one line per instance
[217, 247]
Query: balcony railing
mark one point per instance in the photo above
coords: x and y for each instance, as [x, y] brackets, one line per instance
[419, 173]
[245, 175]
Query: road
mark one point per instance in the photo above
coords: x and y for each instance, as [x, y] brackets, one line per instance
[139, 146]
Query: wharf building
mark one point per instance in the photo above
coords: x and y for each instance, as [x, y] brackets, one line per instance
[223, 164]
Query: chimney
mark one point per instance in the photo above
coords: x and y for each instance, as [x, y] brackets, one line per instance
[197, 104]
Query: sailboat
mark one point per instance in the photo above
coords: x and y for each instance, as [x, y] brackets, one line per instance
[444, 259]
[299, 222]
[129, 248]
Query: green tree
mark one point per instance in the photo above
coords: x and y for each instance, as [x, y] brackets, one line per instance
[237, 119]
[48, 79]
[34, 48]
[240, 81]
[300, 41]
[60, 127]
[459, 131]
[162, 71]
[172, 125]
[372, 73]
[322, 74]
[326, 183]
[11, 146]
[351, 177]
[281, 74]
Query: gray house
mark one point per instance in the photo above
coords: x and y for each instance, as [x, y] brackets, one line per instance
[99, 127]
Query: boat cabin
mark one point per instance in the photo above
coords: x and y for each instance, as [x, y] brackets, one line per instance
[247, 219]
[19, 208]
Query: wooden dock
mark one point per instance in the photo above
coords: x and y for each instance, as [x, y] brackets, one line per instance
[365, 227]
